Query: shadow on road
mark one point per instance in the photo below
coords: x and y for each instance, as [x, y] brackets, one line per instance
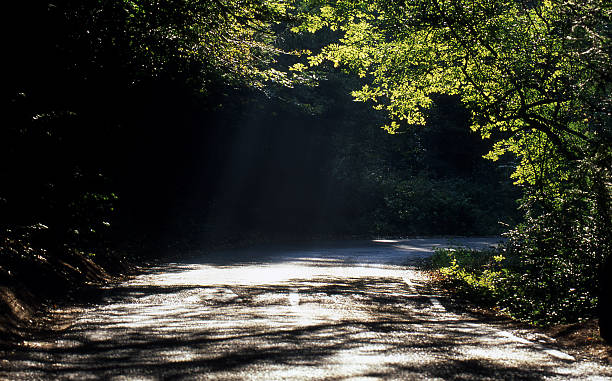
[328, 328]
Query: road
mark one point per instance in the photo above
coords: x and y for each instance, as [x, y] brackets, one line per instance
[344, 311]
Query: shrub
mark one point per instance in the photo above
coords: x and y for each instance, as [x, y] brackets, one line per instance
[530, 289]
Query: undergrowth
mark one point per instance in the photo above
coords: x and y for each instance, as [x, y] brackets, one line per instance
[530, 292]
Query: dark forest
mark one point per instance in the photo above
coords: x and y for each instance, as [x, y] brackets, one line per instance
[134, 130]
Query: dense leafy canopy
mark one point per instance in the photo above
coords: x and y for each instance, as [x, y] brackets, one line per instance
[534, 75]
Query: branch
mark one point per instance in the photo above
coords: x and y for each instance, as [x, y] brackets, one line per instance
[554, 138]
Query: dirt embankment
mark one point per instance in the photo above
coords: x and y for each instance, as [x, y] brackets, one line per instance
[33, 280]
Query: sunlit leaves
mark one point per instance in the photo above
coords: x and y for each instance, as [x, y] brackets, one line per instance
[520, 69]
[519, 286]
[229, 39]
[537, 78]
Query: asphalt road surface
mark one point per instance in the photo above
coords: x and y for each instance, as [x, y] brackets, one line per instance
[346, 311]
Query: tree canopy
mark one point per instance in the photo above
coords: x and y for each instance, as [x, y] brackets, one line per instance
[536, 78]
[535, 75]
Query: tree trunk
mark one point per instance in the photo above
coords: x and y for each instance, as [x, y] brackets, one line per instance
[602, 180]
[605, 300]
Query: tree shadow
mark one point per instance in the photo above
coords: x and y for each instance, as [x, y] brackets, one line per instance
[326, 328]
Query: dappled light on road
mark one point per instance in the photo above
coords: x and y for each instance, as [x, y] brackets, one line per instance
[334, 313]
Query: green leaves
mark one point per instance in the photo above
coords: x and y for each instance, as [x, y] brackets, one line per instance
[521, 286]
[512, 65]
[536, 77]
[232, 40]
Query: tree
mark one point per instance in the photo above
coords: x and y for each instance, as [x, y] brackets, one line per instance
[87, 85]
[535, 76]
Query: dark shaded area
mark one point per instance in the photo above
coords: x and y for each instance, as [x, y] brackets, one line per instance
[92, 144]
[605, 301]
[116, 145]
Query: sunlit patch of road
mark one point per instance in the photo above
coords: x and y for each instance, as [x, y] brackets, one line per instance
[341, 311]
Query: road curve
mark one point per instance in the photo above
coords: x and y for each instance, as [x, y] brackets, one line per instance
[344, 311]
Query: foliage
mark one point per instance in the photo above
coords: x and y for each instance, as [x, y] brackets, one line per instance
[141, 39]
[476, 274]
[411, 183]
[552, 261]
[536, 78]
[405, 183]
[422, 204]
[173, 116]
[547, 102]
[90, 81]
[534, 290]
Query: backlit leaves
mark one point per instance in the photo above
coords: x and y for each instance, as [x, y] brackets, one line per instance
[520, 68]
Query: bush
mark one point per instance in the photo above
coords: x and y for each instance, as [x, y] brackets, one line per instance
[459, 206]
[541, 292]
[477, 275]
